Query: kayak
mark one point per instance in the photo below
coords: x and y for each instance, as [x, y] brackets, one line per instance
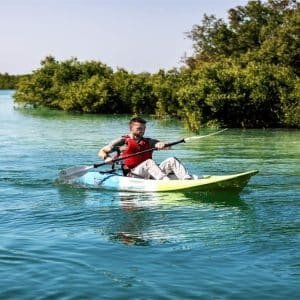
[117, 182]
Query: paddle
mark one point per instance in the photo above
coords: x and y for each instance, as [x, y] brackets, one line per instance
[78, 171]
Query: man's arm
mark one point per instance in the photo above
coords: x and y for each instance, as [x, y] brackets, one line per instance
[157, 144]
[106, 150]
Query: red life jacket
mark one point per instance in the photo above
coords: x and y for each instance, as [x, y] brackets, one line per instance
[134, 146]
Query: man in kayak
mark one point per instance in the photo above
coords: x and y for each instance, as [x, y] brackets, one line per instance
[142, 165]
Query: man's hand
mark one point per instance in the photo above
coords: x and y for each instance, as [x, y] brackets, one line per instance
[108, 160]
[160, 146]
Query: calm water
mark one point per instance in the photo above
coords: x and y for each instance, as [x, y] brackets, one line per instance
[61, 242]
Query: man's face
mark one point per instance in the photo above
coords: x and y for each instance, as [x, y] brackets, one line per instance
[138, 129]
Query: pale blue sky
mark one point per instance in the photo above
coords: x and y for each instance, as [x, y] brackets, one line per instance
[139, 36]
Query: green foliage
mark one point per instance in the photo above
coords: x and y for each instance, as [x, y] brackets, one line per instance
[263, 27]
[243, 73]
[89, 95]
[69, 85]
[9, 82]
[141, 94]
[165, 86]
[248, 68]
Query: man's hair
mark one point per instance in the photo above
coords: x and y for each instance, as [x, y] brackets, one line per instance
[137, 120]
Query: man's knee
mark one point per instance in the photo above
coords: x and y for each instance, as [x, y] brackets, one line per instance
[171, 160]
[149, 162]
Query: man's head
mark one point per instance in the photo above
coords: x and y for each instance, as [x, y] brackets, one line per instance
[137, 127]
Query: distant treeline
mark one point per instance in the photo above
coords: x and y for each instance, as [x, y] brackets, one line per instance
[9, 82]
[243, 73]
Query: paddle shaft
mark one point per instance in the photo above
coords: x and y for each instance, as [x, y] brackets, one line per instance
[138, 153]
[153, 149]
[81, 170]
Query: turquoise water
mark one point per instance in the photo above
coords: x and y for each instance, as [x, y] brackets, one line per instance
[62, 242]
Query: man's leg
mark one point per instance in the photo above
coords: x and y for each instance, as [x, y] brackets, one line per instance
[173, 165]
[148, 169]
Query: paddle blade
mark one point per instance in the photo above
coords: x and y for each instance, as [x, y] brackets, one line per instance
[74, 172]
[197, 137]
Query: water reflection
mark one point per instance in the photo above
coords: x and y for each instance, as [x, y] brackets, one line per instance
[133, 223]
[162, 218]
[143, 219]
[217, 199]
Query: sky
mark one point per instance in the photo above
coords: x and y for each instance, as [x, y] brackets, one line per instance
[138, 35]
